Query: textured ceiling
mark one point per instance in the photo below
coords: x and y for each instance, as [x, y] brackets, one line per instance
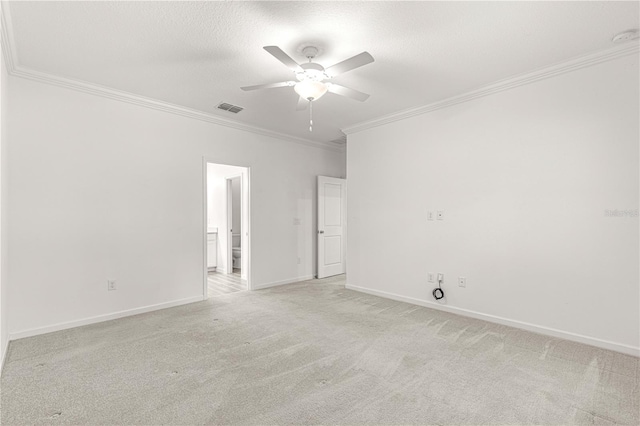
[198, 54]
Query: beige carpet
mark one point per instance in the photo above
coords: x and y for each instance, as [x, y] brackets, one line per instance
[312, 353]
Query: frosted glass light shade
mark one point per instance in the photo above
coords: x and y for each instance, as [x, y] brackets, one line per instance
[310, 89]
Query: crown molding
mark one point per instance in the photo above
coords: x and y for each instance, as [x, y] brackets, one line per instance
[15, 69]
[8, 48]
[502, 85]
[106, 92]
[341, 140]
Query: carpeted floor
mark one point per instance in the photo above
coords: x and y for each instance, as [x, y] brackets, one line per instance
[312, 353]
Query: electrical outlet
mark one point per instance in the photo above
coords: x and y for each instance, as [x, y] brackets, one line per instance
[431, 277]
[440, 214]
[430, 215]
[462, 282]
[111, 285]
[440, 277]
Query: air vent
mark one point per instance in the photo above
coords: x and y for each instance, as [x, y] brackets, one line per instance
[231, 108]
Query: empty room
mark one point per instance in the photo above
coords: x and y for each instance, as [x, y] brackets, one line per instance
[309, 212]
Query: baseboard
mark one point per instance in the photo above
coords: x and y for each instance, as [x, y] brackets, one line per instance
[277, 283]
[101, 318]
[605, 344]
[4, 356]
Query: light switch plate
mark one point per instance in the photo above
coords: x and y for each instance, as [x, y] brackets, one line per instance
[431, 277]
[462, 282]
[430, 215]
[440, 214]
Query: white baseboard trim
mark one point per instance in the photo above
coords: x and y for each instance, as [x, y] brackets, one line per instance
[4, 356]
[277, 283]
[101, 318]
[605, 344]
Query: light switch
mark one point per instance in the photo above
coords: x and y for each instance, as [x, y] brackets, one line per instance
[430, 215]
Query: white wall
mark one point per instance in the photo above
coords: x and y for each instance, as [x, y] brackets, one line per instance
[101, 189]
[4, 330]
[524, 177]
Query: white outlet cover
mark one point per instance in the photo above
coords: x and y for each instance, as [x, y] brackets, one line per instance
[462, 282]
[440, 214]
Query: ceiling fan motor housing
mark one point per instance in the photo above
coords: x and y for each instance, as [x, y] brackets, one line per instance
[312, 71]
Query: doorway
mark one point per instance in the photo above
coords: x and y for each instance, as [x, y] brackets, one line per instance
[332, 226]
[227, 220]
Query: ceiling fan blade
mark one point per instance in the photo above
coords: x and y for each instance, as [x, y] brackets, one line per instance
[345, 91]
[284, 58]
[348, 64]
[269, 85]
[302, 104]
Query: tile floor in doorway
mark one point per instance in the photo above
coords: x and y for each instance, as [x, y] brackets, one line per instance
[220, 283]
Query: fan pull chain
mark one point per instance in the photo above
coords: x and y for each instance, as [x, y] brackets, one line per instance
[310, 116]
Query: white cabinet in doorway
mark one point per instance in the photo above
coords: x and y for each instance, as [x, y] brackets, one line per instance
[212, 250]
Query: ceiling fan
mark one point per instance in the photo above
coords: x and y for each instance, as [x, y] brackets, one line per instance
[312, 78]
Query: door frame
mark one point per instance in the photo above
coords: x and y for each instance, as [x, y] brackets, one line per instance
[229, 248]
[247, 250]
[230, 218]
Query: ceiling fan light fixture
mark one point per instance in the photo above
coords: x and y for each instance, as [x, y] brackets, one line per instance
[311, 90]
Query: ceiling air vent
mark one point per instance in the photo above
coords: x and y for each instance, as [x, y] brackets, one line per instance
[231, 108]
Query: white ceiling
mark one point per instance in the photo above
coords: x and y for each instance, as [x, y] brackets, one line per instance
[198, 54]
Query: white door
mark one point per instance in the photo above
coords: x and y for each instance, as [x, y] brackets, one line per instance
[332, 197]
